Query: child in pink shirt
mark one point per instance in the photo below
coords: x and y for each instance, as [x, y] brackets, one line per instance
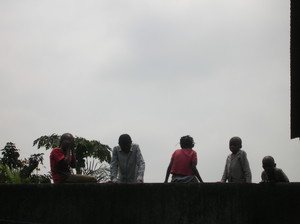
[183, 163]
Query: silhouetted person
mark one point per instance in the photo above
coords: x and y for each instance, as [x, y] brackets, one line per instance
[271, 174]
[62, 159]
[183, 163]
[127, 164]
[237, 169]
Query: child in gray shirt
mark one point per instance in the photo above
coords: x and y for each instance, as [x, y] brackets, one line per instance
[127, 164]
[237, 169]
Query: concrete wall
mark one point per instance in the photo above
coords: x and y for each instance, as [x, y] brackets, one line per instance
[150, 203]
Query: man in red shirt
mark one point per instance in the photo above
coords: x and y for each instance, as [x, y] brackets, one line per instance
[183, 163]
[62, 159]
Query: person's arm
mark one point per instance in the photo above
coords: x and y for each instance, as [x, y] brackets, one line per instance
[196, 173]
[140, 166]
[169, 170]
[225, 173]
[246, 168]
[63, 159]
[114, 166]
[264, 177]
[73, 160]
[67, 157]
[60, 161]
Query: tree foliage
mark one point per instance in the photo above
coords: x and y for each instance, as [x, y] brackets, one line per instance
[83, 149]
[30, 164]
[10, 156]
[13, 170]
[47, 141]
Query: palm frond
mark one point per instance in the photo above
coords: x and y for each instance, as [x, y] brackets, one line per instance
[94, 167]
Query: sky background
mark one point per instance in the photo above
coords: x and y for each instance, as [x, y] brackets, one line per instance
[157, 70]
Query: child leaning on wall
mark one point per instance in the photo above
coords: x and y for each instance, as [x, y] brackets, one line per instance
[237, 169]
[271, 174]
[183, 163]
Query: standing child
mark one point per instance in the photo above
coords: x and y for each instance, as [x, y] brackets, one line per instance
[183, 163]
[127, 163]
[271, 174]
[237, 169]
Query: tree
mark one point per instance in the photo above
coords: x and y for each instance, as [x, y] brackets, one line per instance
[31, 164]
[14, 170]
[11, 156]
[83, 148]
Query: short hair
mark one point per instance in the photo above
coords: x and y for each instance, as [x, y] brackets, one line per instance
[268, 160]
[187, 142]
[236, 139]
[64, 137]
[125, 139]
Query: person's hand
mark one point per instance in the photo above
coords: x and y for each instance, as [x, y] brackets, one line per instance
[69, 151]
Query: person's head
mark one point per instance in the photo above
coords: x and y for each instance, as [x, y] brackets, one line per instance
[125, 142]
[67, 141]
[235, 144]
[268, 163]
[187, 142]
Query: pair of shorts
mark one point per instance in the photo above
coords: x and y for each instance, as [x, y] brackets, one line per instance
[177, 178]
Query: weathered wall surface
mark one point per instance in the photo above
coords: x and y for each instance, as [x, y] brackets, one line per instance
[150, 203]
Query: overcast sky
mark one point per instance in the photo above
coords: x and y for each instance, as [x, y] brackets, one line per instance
[157, 70]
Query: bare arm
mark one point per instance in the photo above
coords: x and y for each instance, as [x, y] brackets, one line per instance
[264, 177]
[168, 171]
[67, 158]
[196, 173]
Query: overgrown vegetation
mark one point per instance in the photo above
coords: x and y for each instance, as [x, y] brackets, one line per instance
[16, 171]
